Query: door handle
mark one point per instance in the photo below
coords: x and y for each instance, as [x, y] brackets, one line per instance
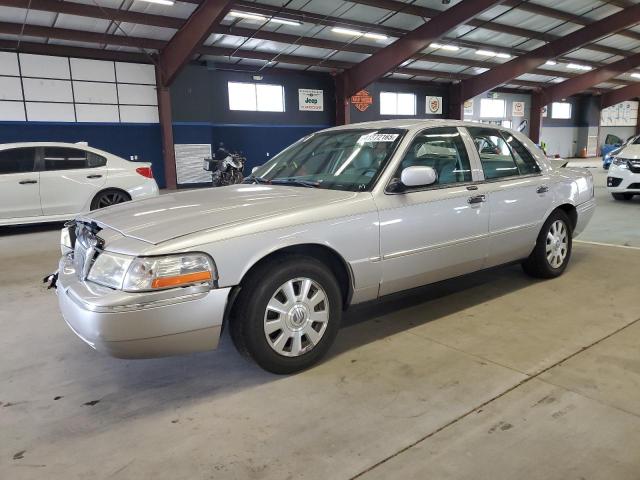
[477, 199]
[542, 189]
[27, 182]
[94, 176]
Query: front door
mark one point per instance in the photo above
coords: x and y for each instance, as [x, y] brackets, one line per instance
[519, 194]
[438, 231]
[70, 178]
[19, 184]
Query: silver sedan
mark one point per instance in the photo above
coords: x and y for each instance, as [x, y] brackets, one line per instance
[343, 216]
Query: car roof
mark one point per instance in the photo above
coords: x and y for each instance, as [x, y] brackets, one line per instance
[5, 146]
[414, 124]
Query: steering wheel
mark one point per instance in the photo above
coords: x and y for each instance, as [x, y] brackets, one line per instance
[363, 171]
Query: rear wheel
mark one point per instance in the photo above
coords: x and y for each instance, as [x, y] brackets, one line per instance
[552, 252]
[288, 314]
[108, 198]
[622, 196]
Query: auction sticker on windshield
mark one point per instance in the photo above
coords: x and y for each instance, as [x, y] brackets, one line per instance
[378, 137]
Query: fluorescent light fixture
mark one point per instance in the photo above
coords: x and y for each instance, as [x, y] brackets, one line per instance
[503, 55]
[635, 75]
[250, 16]
[451, 48]
[346, 31]
[160, 2]
[550, 62]
[375, 36]
[486, 53]
[284, 21]
[575, 66]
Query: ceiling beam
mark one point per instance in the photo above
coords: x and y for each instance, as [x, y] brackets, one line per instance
[388, 58]
[79, 52]
[532, 60]
[177, 53]
[613, 97]
[588, 80]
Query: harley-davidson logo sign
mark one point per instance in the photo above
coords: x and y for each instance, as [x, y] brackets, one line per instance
[362, 100]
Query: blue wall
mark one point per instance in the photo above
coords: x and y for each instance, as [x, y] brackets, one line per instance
[122, 139]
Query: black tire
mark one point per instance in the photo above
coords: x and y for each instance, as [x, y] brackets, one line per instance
[538, 265]
[622, 196]
[247, 325]
[109, 197]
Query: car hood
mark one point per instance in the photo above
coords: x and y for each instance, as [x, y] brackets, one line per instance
[174, 215]
[631, 152]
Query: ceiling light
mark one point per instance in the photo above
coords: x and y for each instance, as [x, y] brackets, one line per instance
[250, 16]
[346, 31]
[375, 36]
[503, 55]
[575, 66]
[486, 53]
[635, 75]
[160, 2]
[284, 21]
[550, 62]
[452, 48]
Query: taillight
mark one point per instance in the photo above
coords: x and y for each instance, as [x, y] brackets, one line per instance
[145, 171]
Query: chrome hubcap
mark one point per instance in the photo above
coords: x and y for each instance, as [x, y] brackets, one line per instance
[296, 317]
[557, 244]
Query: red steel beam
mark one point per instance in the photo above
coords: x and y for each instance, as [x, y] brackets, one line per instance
[388, 58]
[189, 38]
[166, 133]
[589, 79]
[69, 51]
[614, 97]
[532, 60]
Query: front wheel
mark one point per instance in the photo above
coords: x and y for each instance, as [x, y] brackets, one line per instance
[288, 314]
[552, 252]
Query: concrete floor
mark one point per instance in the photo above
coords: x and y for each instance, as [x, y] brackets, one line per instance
[492, 376]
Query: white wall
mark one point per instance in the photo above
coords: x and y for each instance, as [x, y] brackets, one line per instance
[561, 141]
[62, 89]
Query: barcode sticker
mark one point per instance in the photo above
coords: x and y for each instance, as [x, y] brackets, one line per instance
[378, 137]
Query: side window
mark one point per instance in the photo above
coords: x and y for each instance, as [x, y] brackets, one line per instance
[62, 158]
[442, 149]
[495, 154]
[17, 160]
[525, 161]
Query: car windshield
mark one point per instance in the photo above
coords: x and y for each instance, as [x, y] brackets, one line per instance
[634, 141]
[338, 160]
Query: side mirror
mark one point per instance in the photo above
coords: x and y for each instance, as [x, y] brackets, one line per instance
[418, 176]
[253, 170]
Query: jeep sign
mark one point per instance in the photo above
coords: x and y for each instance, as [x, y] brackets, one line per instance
[310, 100]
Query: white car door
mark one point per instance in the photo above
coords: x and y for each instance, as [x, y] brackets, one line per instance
[518, 193]
[19, 184]
[438, 231]
[69, 179]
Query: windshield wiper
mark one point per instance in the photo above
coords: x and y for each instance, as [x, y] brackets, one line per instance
[258, 180]
[295, 181]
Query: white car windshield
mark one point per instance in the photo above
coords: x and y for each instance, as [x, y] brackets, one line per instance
[340, 159]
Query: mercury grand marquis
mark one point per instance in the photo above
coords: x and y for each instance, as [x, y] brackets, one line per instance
[343, 216]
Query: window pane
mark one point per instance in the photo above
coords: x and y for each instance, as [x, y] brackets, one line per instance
[561, 110]
[270, 98]
[56, 158]
[525, 161]
[492, 108]
[495, 154]
[17, 160]
[443, 150]
[242, 96]
[406, 104]
[388, 103]
[94, 160]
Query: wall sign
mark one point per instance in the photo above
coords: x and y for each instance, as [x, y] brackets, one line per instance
[545, 111]
[362, 100]
[468, 107]
[310, 100]
[624, 114]
[434, 105]
[517, 109]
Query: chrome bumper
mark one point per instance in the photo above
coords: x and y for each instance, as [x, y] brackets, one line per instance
[140, 325]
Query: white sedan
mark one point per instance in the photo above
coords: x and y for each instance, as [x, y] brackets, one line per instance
[48, 182]
[623, 180]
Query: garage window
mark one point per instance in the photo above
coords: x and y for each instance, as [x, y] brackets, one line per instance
[561, 110]
[17, 160]
[60, 158]
[492, 108]
[392, 103]
[256, 97]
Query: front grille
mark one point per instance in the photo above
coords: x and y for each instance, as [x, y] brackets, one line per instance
[85, 250]
[634, 186]
[613, 181]
[634, 166]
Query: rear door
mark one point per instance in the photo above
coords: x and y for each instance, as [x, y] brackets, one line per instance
[518, 193]
[70, 178]
[19, 184]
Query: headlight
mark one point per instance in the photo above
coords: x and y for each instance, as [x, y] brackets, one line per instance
[619, 162]
[152, 273]
[157, 273]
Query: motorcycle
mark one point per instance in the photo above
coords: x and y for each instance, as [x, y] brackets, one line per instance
[226, 168]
